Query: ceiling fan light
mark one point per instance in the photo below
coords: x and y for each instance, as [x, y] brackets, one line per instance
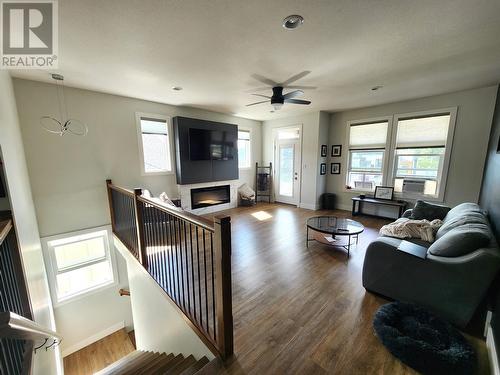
[277, 106]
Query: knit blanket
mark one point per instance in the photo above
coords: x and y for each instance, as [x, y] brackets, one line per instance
[404, 228]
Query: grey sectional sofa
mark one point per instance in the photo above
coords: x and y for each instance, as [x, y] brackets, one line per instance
[451, 283]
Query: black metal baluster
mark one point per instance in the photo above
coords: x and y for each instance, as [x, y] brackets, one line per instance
[186, 267]
[213, 282]
[192, 268]
[206, 279]
[199, 276]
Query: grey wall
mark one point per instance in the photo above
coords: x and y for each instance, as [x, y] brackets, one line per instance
[21, 200]
[473, 124]
[490, 190]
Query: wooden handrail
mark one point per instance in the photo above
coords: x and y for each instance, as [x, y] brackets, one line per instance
[120, 189]
[17, 327]
[5, 227]
[123, 292]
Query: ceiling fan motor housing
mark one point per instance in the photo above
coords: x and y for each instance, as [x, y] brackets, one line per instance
[277, 97]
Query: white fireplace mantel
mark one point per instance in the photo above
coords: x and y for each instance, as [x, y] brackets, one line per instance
[184, 192]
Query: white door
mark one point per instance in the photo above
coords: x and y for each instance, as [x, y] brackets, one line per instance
[287, 171]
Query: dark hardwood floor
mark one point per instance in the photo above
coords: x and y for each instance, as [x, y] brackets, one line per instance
[301, 310]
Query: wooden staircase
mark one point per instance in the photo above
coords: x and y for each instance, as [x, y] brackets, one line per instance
[148, 363]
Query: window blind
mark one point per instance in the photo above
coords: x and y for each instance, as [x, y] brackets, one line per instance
[368, 136]
[151, 126]
[423, 132]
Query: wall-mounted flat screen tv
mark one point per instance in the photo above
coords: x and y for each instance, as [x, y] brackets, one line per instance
[207, 144]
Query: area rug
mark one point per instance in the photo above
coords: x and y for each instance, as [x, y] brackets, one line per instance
[422, 341]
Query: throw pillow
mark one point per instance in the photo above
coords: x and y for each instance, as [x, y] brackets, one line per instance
[428, 211]
[461, 241]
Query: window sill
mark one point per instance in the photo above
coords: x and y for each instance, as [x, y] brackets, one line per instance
[410, 197]
[85, 294]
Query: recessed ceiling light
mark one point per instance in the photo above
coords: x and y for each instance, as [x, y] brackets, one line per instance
[177, 88]
[375, 88]
[293, 21]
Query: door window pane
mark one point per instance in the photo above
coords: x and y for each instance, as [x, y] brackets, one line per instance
[286, 171]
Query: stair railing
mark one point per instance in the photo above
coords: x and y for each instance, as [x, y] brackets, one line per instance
[187, 255]
[18, 332]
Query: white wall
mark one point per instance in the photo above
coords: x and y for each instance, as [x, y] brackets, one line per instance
[97, 315]
[310, 152]
[68, 173]
[158, 324]
[45, 362]
[68, 180]
[470, 143]
[4, 202]
[324, 127]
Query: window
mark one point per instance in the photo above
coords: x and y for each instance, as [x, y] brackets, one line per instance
[79, 263]
[154, 144]
[367, 142]
[419, 154]
[414, 158]
[244, 157]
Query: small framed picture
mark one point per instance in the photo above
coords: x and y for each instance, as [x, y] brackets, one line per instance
[384, 192]
[335, 168]
[322, 168]
[324, 151]
[336, 150]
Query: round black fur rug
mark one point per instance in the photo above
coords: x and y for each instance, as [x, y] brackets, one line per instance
[423, 341]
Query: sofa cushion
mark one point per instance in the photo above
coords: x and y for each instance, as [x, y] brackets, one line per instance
[464, 208]
[461, 219]
[429, 211]
[461, 240]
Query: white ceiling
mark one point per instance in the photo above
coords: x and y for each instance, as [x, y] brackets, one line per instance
[414, 48]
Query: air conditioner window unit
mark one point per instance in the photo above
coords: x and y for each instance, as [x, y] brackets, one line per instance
[363, 185]
[413, 186]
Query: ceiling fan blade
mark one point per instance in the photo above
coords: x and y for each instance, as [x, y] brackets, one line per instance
[297, 101]
[264, 96]
[294, 78]
[264, 80]
[293, 94]
[300, 87]
[264, 101]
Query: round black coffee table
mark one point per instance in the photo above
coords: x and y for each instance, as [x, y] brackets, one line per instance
[335, 226]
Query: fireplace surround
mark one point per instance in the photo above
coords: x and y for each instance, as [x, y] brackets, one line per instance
[210, 196]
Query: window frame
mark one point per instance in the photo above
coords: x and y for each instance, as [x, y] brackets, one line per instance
[249, 131]
[442, 178]
[52, 269]
[385, 160]
[168, 120]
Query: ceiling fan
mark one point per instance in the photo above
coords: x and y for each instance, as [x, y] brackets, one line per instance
[278, 98]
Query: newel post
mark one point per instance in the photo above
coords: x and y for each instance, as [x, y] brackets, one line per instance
[224, 298]
[139, 224]
[110, 202]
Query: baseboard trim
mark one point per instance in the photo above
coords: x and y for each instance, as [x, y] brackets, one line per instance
[308, 206]
[90, 340]
[492, 352]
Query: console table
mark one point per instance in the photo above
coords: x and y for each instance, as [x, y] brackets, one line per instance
[357, 204]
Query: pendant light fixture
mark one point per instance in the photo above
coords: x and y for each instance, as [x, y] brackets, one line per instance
[64, 124]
